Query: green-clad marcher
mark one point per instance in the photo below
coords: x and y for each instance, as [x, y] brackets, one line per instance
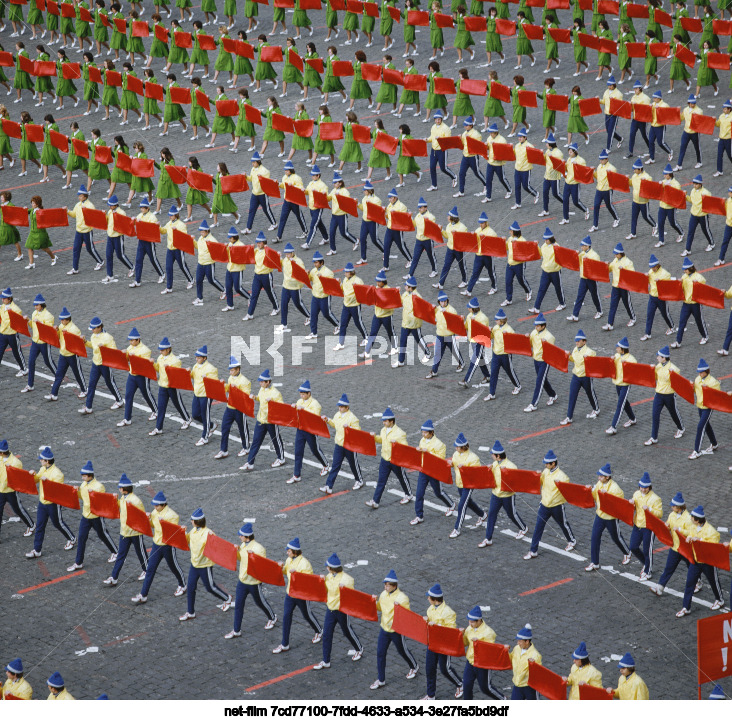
[624, 19]
[44, 83]
[603, 59]
[650, 67]
[28, 150]
[97, 170]
[655, 28]
[73, 161]
[523, 44]
[5, 147]
[386, 23]
[158, 48]
[409, 30]
[129, 100]
[251, 11]
[91, 89]
[409, 97]
[331, 20]
[723, 5]
[172, 112]
[150, 105]
[463, 106]
[166, 187]
[597, 16]
[119, 39]
[49, 154]
[625, 36]
[278, 16]
[350, 25]
[575, 122]
[230, 11]
[437, 39]
[378, 158]
[463, 39]
[551, 47]
[678, 71]
[351, 150]
[199, 119]
[110, 98]
[577, 12]
[193, 196]
[38, 238]
[360, 89]
[35, 19]
[208, 7]
[476, 8]
[224, 61]
[388, 91]
[706, 76]
[324, 147]
[493, 107]
[300, 19]
[185, 8]
[708, 28]
[291, 73]
[244, 128]
[493, 42]
[3, 77]
[406, 164]
[526, 10]
[64, 88]
[242, 65]
[548, 117]
[332, 83]
[580, 52]
[51, 21]
[101, 34]
[138, 184]
[9, 234]
[223, 202]
[175, 54]
[519, 111]
[270, 133]
[678, 29]
[117, 174]
[434, 100]
[311, 77]
[22, 80]
[198, 56]
[134, 43]
[65, 24]
[502, 9]
[299, 142]
[368, 23]
[263, 70]
[222, 124]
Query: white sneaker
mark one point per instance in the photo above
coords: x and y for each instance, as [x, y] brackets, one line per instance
[139, 598]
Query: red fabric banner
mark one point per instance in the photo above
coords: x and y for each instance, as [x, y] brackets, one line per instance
[717, 400]
[533, 32]
[492, 656]
[18, 323]
[500, 92]
[14, 215]
[660, 529]
[433, 231]
[62, 494]
[477, 477]
[386, 143]
[674, 196]
[406, 456]
[103, 154]
[149, 232]
[455, 324]
[527, 99]
[371, 71]
[703, 124]
[21, 481]
[140, 29]
[304, 129]
[295, 195]
[414, 148]
[154, 91]
[493, 246]
[708, 295]
[320, 200]
[668, 116]
[307, 586]
[312, 423]
[359, 442]
[473, 87]
[241, 401]
[454, 142]
[295, 60]
[184, 242]
[714, 205]
[516, 344]
[443, 20]
[234, 184]
[576, 494]
[501, 151]
[179, 378]
[221, 552]
[342, 68]
[74, 344]
[422, 309]
[618, 181]
[138, 520]
[282, 414]
[596, 270]
[535, 156]
[114, 358]
[561, 35]
[526, 251]
[546, 682]
[686, 56]
[361, 134]
[331, 131]
[358, 604]
[590, 106]
[445, 640]
[633, 280]
[682, 387]
[348, 205]
[691, 25]
[600, 367]
[103, 504]
[283, 123]
[12, 129]
[520, 480]
[670, 290]
[252, 114]
[215, 389]
[48, 334]
[584, 174]
[34, 133]
[173, 534]
[265, 570]
[203, 100]
[410, 624]
[715, 554]
[331, 286]
[505, 27]
[465, 242]
[555, 356]
[639, 374]
[475, 24]
[401, 221]
[566, 257]
[617, 507]
[142, 367]
[592, 693]
[620, 108]
[123, 224]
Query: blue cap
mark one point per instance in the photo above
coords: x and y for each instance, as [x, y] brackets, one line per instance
[294, 544]
[727, 104]
[665, 352]
[698, 512]
[468, 121]
[638, 164]
[453, 212]
[46, 454]
[581, 651]
[645, 480]
[203, 225]
[112, 200]
[392, 193]
[637, 84]
[15, 666]
[256, 157]
[173, 211]
[657, 95]
[133, 335]
[65, 314]
[522, 133]
[438, 114]
[540, 319]
[233, 232]
[500, 314]
[498, 448]
[234, 362]
[198, 515]
[164, 344]
[473, 303]
[39, 299]
[697, 179]
[678, 500]
[337, 177]
[411, 282]
[482, 218]
[95, 322]
[4, 447]
[442, 296]
[82, 190]
[288, 165]
[264, 375]
[668, 170]
[605, 471]
[611, 80]
[653, 261]
[623, 343]
[421, 203]
[619, 248]
[604, 155]
[124, 482]
[460, 441]
[580, 335]
[475, 614]
[343, 401]
[717, 694]
[514, 226]
[349, 268]
[586, 241]
[388, 415]
[427, 426]
[368, 185]
[102, 697]
[202, 352]
[246, 530]
[572, 146]
[435, 591]
[550, 457]
[261, 237]
[688, 263]
[318, 256]
[305, 387]
[547, 234]
[56, 680]
[380, 277]
[703, 366]
[550, 139]
[159, 499]
[492, 128]
[288, 248]
[315, 170]
[144, 203]
[391, 577]
[692, 100]
[525, 633]
[333, 561]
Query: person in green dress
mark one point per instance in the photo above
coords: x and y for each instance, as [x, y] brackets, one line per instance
[224, 62]
[198, 56]
[172, 112]
[386, 23]
[65, 24]
[119, 39]
[653, 25]
[519, 111]
[264, 70]
[650, 68]
[325, 148]
[523, 44]
[35, 20]
[150, 105]
[706, 76]
[678, 29]
[548, 117]
[38, 238]
[222, 123]
[597, 16]
[97, 170]
[4, 78]
[158, 48]
[199, 119]
[678, 71]
[5, 147]
[230, 12]
[223, 202]
[493, 42]
[603, 59]
[49, 154]
[118, 175]
[176, 54]
[576, 123]
[360, 89]
[387, 92]
[9, 234]
[700, 4]
[139, 185]
[208, 7]
[406, 164]
[251, 11]
[378, 158]
[195, 197]
[331, 20]
[299, 142]
[273, 108]
[624, 19]
[129, 99]
[493, 107]
[708, 28]
[73, 161]
[242, 65]
[166, 187]
[185, 9]
[625, 36]
[723, 5]
[580, 52]
[28, 150]
[110, 98]
[22, 80]
[101, 34]
[408, 30]
[551, 46]
[311, 78]
[351, 150]
[409, 97]
[244, 128]
[291, 73]
[350, 25]
[43, 82]
[463, 106]
[463, 39]
[434, 100]
[332, 83]
[368, 23]
[437, 39]
[134, 43]
[525, 8]
[51, 23]
[278, 17]
[64, 88]
[300, 19]
[91, 89]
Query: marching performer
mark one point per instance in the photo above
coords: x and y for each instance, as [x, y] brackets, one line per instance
[679, 519]
[8, 336]
[477, 350]
[463, 456]
[306, 402]
[439, 614]
[622, 355]
[641, 537]
[258, 198]
[66, 359]
[172, 254]
[617, 293]
[383, 318]
[481, 261]
[145, 248]
[432, 444]
[445, 338]
[586, 284]
[100, 338]
[477, 630]
[291, 288]
[704, 380]
[165, 392]
[40, 314]
[233, 277]
[499, 358]
[664, 396]
[411, 325]
[639, 204]
[320, 301]
[262, 280]
[7, 494]
[340, 421]
[690, 307]
[84, 235]
[656, 273]
[233, 415]
[390, 434]
[631, 687]
[201, 406]
[523, 652]
[351, 310]
[262, 427]
[541, 367]
[551, 273]
[583, 672]
[579, 378]
[136, 382]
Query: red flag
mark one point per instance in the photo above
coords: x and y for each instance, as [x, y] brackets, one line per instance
[691, 25]
[517, 344]
[61, 494]
[437, 468]
[715, 554]
[71, 71]
[331, 286]
[241, 48]
[161, 33]
[433, 231]
[642, 113]
[320, 200]
[386, 143]
[21, 481]
[103, 154]
[590, 106]
[717, 400]
[443, 20]
[527, 99]
[388, 298]
[252, 114]
[505, 27]
[331, 131]
[670, 290]
[402, 221]
[414, 148]
[74, 344]
[596, 270]
[501, 151]
[361, 133]
[660, 529]
[722, 27]
[617, 507]
[465, 242]
[359, 442]
[708, 295]
[492, 656]
[114, 358]
[395, 13]
[221, 552]
[48, 334]
[558, 164]
[576, 495]
[455, 323]
[234, 184]
[113, 78]
[451, 142]
[13, 215]
[227, 108]
[12, 129]
[493, 246]
[270, 187]
[138, 520]
[370, 71]
[713, 205]
[410, 624]
[618, 181]
[546, 682]
[535, 156]
[555, 356]
[674, 196]
[283, 123]
[561, 35]
[500, 92]
[533, 32]
[633, 281]
[123, 224]
[183, 39]
[154, 91]
[295, 195]
[445, 640]
[685, 548]
[241, 401]
[650, 190]
[600, 367]
[179, 378]
[348, 205]
[686, 56]
[419, 18]
[307, 586]
[265, 570]
[519, 480]
[295, 60]
[406, 457]
[663, 18]
[474, 87]
[34, 133]
[584, 174]
[149, 232]
[659, 50]
[589, 41]
[271, 54]
[219, 252]
[702, 124]
[44, 69]
[51, 218]
[639, 374]
[566, 257]
[142, 367]
[184, 242]
[6, 59]
[304, 129]
[26, 65]
[668, 116]
[143, 167]
[477, 477]
[312, 423]
[173, 534]
[526, 250]
[18, 323]
[480, 333]
[593, 693]
[422, 309]
[682, 387]
[206, 42]
[103, 504]
[215, 389]
[242, 254]
[342, 68]
[140, 29]
[557, 5]
[620, 108]
[358, 604]
[200, 181]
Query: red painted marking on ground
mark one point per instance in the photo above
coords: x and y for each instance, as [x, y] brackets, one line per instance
[544, 588]
[44, 570]
[124, 638]
[277, 679]
[48, 583]
[142, 317]
[313, 500]
[540, 433]
[345, 368]
[207, 150]
[27, 185]
[83, 635]
[112, 440]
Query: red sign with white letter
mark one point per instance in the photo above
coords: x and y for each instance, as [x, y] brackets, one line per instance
[714, 648]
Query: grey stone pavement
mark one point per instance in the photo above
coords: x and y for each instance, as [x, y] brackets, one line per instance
[146, 653]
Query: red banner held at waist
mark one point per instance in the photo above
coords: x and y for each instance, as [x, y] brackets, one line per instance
[308, 587]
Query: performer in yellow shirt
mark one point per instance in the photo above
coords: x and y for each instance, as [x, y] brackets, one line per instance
[307, 403]
[338, 216]
[38, 347]
[231, 414]
[165, 392]
[368, 226]
[477, 350]
[522, 170]
[451, 255]
[586, 284]
[99, 338]
[679, 519]
[697, 216]
[523, 652]
[340, 421]
[541, 367]
[7, 494]
[667, 211]
[57, 690]
[583, 672]
[477, 630]
[319, 301]
[664, 396]
[639, 204]
[316, 214]
[437, 155]
[383, 318]
[84, 236]
[262, 427]
[291, 288]
[135, 382]
[445, 338]
[439, 614]
[641, 537]
[603, 194]
[657, 133]
[494, 167]
[422, 244]
[550, 183]
[234, 273]
[66, 359]
[656, 273]
[580, 380]
[622, 388]
[724, 123]
[351, 310]
[499, 358]
[16, 687]
[631, 687]
[146, 248]
[201, 406]
[390, 597]
[411, 325]
[617, 293]
[9, 337]
[704, 380]
[482, 259]
[173, 255]
[690, 307]
[638, 98]
[551, 273]
[115, 243]
[206, 265]
[515, 268]
[469, 161]
[433, 445]
[291, 178]
[572, 185]
[463, 456]
[389, 435]
[262, 280]
[258, 198]
[688, 134]
[611, 121]
[604, 521]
